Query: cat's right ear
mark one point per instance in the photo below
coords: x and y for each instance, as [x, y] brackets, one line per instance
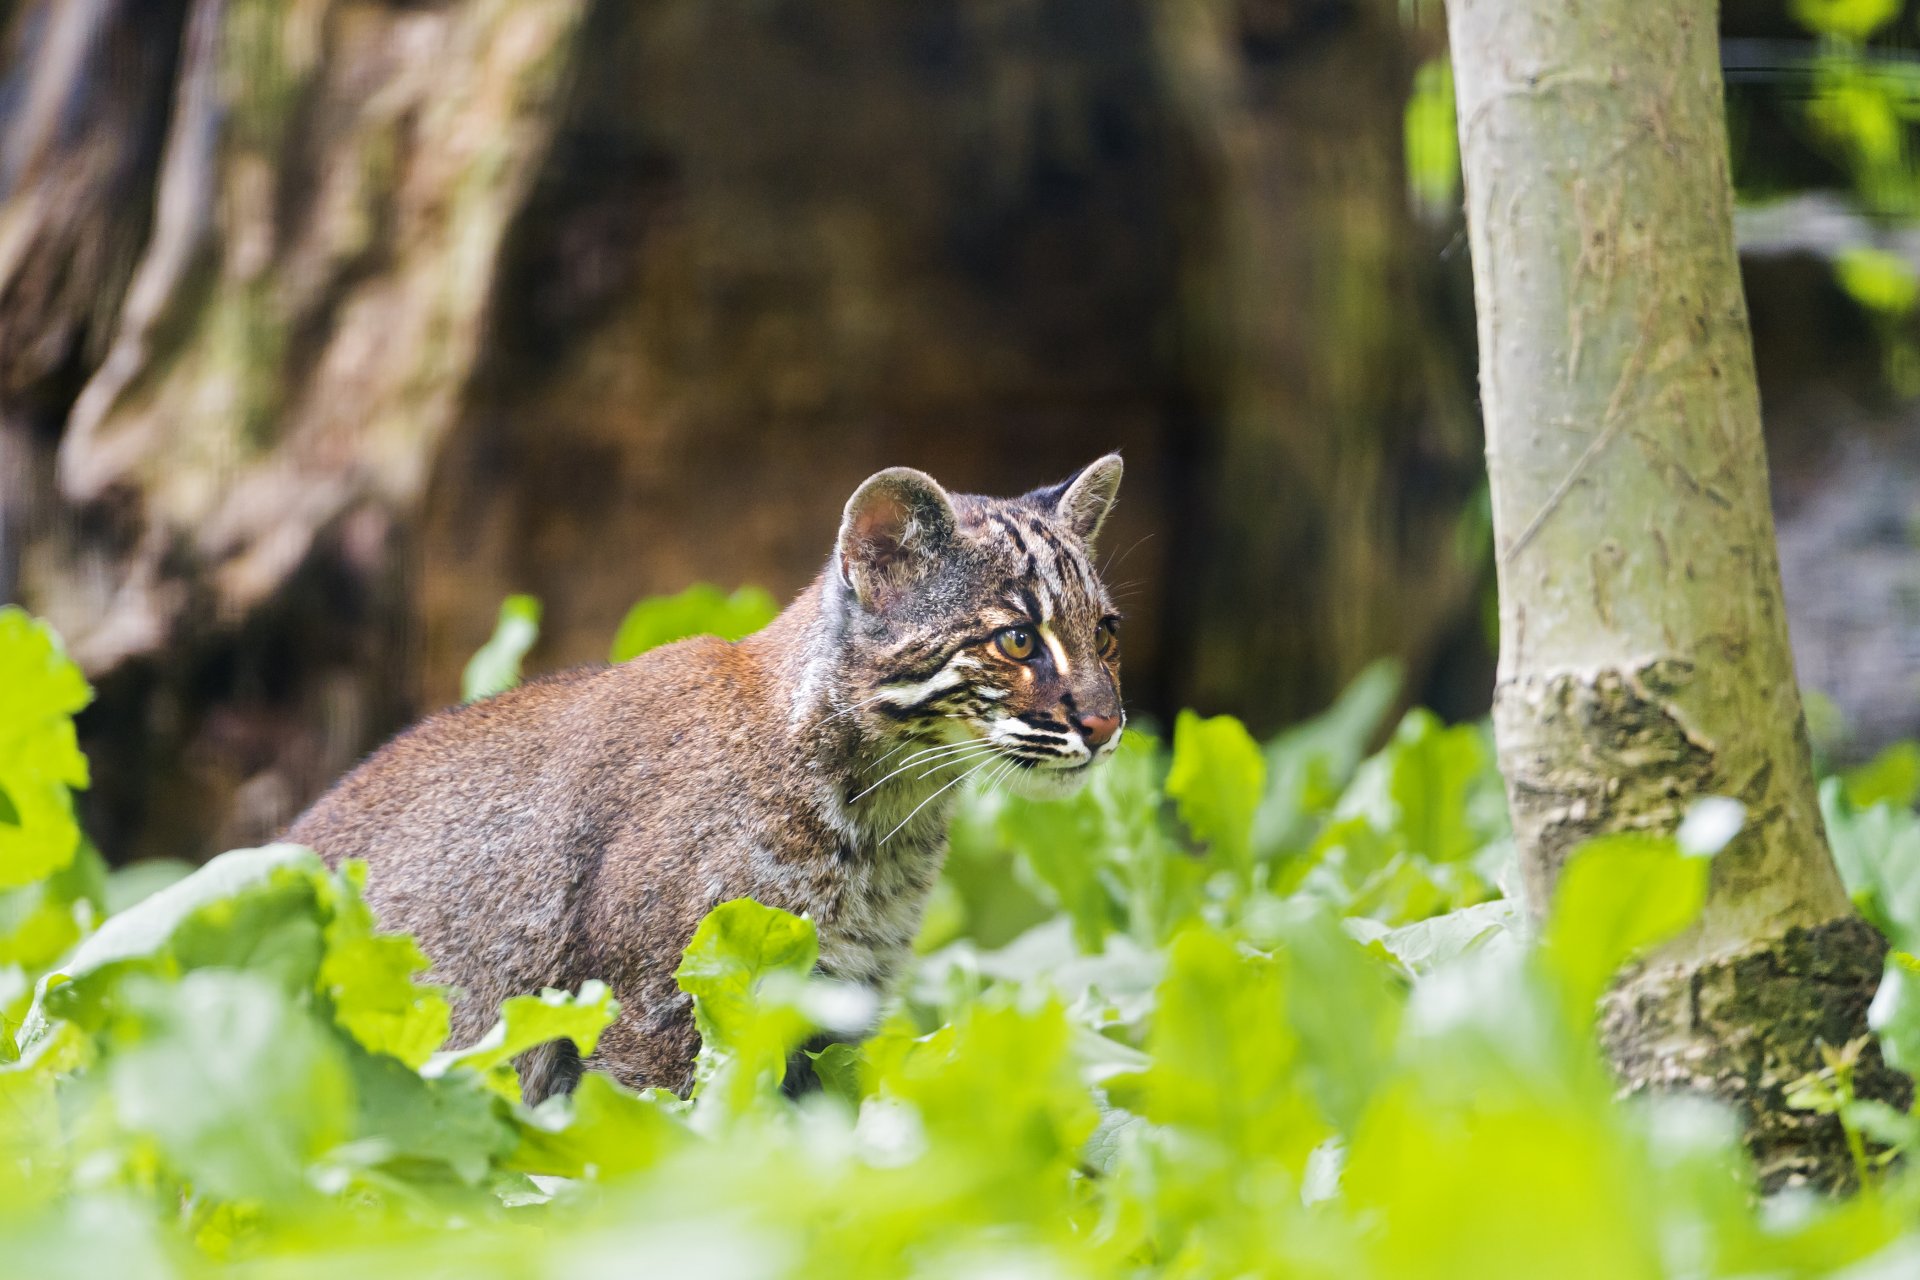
[896, 525]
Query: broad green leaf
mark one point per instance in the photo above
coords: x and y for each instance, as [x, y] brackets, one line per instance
[1618, 896]
[403, 1120]
[40, 761]
[1309, 765]
[1344, 1007]
[217, 916]
[1062, 843]
[1855, 20]
[1431, 776]
[1000, 1106]
[745, 969]
[1427, 944]
[34, 1158]
[1226, 1057]
[1217, 779]
[525, 1023]
[495, 666]
[701, 609]
[1877, 852]
[1895, 1012]
[1892, 777]
[368, 979]
[241, 1089]
[599, 1131]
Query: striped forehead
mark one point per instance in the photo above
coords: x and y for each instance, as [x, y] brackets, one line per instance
[1050, 570]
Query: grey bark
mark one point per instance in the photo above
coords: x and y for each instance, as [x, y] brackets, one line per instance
[1644, 659]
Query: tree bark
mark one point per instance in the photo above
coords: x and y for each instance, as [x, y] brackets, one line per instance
[1644, 659]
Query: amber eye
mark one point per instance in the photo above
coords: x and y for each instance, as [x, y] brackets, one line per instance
[1017, 643]
[1106, 638]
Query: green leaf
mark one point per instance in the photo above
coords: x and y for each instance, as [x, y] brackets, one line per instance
[495, 666]
[1343, 1005]
[1432, 770]
[34, 1158]
[368, 979]
[599, 1131]
[403, 1119]
[1618, 896]
[1061, 842]
[1877, 852]
[1892, 777]
[1432, 140]
[241, 1089]
[699, 610]
[999, 1105]
[1310, 764]
[525, 1023]
[1894, 1014]
[1217, 779]
[40, 760]
[1855, 20]
[201, 911]
[1425, 945]
[1226, 1057]
[745, 968]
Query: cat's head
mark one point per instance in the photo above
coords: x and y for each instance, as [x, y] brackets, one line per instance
[981, 624]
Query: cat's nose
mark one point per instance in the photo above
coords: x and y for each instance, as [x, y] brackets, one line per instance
[1097, 730]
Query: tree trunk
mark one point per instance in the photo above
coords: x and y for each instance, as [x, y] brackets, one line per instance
[1643, 657]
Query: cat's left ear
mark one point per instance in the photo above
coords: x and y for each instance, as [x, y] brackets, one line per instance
[1084, 501]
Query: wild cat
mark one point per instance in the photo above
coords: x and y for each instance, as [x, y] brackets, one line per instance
[582, 825]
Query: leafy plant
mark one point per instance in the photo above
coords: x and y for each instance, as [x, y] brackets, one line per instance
[1237, 1009]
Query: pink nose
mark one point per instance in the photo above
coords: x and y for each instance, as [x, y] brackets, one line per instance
[1097, 730]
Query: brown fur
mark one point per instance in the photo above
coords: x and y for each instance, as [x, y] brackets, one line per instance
[581, 825]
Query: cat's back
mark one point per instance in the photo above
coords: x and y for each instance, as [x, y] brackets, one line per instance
[480, 825]
[514, 760]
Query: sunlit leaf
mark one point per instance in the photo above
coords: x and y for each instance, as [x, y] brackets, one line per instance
[1892, 777]
[1618, 895]
[40, 761]
[495, 666]
[701, 609]
[526, 1022]
[1217, 779]
[368, 979]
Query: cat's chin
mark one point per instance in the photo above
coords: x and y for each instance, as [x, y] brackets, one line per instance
[1051, 784]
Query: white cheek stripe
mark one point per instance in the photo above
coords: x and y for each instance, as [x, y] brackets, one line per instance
[1055, 648]
[941, 681]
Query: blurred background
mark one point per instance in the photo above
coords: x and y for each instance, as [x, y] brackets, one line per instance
[325, 324]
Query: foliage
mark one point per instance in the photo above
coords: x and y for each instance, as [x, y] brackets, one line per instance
[699, 610]
[1237, 1009]
[495, 667]
[1432, 141]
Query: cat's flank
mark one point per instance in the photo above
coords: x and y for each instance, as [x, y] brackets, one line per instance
[580, 826]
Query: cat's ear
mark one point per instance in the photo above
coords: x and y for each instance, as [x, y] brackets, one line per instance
[896, 525]
[1082, 503]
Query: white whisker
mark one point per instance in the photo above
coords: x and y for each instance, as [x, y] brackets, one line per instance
[936, 795]
[952, 753]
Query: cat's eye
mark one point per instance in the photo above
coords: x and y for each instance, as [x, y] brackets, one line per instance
[1106, 638]
[1018, 643]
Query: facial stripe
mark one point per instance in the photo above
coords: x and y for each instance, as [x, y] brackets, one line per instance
[1058, 650]
[926, 670]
